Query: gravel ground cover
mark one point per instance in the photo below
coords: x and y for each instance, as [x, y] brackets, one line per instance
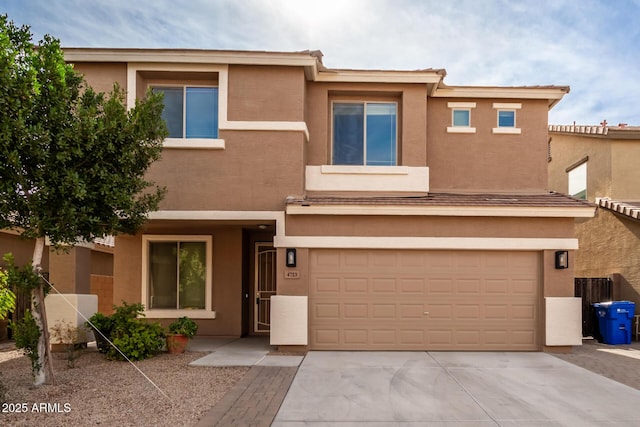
[102, 392]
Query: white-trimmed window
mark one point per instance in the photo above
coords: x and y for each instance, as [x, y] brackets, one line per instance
[461, 117]
[177, 276]
[191, 114]
[577, 175]
[506, 118]
[365, 133]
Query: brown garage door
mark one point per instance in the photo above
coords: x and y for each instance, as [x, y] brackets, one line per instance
[423, 300]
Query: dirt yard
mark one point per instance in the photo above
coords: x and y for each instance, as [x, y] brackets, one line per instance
[102, 392]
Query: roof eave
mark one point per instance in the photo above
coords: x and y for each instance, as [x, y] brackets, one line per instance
[553, 94]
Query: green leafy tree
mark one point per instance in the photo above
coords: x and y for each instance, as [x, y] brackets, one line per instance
[7, 297]
[72, 161]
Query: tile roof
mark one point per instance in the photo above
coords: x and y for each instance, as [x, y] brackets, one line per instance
[450, 199]
[621, 131]
[629, 209]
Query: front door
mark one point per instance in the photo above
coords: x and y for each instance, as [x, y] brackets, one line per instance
[265, 285]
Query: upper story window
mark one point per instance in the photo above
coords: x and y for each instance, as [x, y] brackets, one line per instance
[461, 117]
[506, 117]
[577, 176]
[191, 112]
[365, 133]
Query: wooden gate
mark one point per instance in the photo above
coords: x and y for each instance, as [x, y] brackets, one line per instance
[592, 290]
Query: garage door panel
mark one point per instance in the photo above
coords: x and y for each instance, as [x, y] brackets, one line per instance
[412, 286]
[354, 285]
[415, 300]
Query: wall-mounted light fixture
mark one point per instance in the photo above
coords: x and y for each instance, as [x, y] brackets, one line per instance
[562, 259]
[291, 257]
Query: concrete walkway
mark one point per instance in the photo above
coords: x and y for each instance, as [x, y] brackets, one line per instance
[256, 398]
[248, 351]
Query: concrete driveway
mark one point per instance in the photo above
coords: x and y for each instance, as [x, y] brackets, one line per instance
[452, 389]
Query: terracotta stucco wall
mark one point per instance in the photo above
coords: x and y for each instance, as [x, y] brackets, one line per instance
[567, 150]
[483, 161]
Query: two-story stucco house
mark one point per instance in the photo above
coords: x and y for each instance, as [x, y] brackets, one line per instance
[600, 164]
[347, 209]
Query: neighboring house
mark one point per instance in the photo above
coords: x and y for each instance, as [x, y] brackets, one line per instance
[601, 164]
[81, 269]
[346, 209]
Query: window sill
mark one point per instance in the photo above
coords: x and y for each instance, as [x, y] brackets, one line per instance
[367, 178]
[201, 143]
[170, 314]
[507, 131]
[364, 170]
[460, 129]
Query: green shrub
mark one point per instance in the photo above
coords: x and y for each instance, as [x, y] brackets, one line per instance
[26, 334]
[102, 326]
[183, 326]
[137, 339]
[7, 297]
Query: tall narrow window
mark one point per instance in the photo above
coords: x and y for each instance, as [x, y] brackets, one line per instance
[365, 133]
[578, 181]
[190, 112]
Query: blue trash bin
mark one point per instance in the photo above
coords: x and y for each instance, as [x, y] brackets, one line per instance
[614, 320]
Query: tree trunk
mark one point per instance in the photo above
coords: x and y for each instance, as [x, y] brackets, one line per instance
[40, 316]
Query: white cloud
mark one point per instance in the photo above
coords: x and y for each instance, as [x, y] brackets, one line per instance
[591, 45]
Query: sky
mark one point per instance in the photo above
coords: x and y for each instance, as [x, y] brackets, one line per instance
[593, 46]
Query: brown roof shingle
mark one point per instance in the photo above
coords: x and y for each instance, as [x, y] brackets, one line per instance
[450, 199]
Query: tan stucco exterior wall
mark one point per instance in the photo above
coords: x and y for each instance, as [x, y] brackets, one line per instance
[613, 244]
[226, 276]
[428, 226]
[21, 249]
[567, 150]
[483, 161]
[102, 263]
[266, 93]
[412, 121]
[255, 171]
[625, 170]
[102, 76]
[70, 270]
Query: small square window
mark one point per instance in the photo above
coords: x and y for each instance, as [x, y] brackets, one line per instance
[506, 118]
[461, 118]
